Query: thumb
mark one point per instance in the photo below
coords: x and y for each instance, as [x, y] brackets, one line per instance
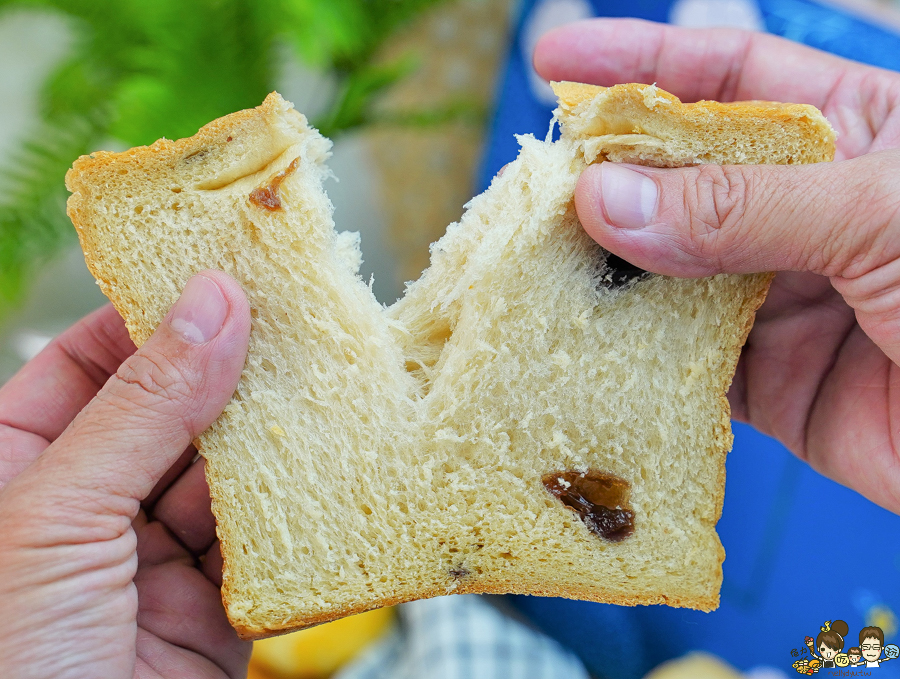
[159, 400]
[836, 219]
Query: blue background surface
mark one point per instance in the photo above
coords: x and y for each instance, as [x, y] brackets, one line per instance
[785, 572]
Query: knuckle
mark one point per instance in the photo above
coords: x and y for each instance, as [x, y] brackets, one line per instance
[715, 199]
[729, 196]
[719, 198]
[155, 377]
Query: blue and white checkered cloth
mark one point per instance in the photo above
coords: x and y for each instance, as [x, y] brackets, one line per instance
[463, 637]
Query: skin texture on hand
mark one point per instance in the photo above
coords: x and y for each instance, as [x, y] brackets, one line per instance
[108, 561]
[819, 371]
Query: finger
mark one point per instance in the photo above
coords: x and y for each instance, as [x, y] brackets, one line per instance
[186, 509]
[834, 219]
[783, 379]
[170, 476]
[727, 65]
[840, 220]
[172, 599]
[159, 400]
[212, 564]
[710, 63]
[862, 380]
[52, 388]
[155, 659]
[156, 545]
[17, 450]
[40, 401]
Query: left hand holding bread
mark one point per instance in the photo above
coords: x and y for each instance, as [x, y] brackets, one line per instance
[108, 560]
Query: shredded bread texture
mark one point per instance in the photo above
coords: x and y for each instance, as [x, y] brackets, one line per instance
[371, 456]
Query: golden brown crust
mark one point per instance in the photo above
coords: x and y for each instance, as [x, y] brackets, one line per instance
[637, 109]
[705, 604]
[572, 94]
[215, 133]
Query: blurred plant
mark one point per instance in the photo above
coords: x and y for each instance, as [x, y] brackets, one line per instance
[144, 69]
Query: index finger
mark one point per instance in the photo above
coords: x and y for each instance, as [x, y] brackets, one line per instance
[50, 390]
[723, 64]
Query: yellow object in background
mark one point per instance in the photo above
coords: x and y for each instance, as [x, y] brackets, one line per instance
[883, 617]
[697, 665]
[318, 651]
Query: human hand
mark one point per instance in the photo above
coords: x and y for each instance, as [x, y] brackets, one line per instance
[108, 565]
[819, 371]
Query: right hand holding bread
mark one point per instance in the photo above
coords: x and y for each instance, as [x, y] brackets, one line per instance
[819, 370]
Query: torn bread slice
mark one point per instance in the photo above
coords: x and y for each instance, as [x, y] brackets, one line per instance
[526, 419]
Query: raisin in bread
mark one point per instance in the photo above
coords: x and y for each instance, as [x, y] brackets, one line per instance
[533, 416]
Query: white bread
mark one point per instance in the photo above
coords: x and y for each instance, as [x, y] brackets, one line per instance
[372, 456]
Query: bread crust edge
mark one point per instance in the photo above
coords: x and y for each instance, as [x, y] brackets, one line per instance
[701, 603]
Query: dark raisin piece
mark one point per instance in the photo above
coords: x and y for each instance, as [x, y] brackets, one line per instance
[599, 499]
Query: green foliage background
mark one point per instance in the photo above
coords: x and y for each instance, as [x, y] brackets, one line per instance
[144, 69]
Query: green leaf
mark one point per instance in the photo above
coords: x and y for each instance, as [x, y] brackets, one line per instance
[199, 61]
[325, 33]
[387, 16]
[352, 107]
[144, 69]
[33, 222]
